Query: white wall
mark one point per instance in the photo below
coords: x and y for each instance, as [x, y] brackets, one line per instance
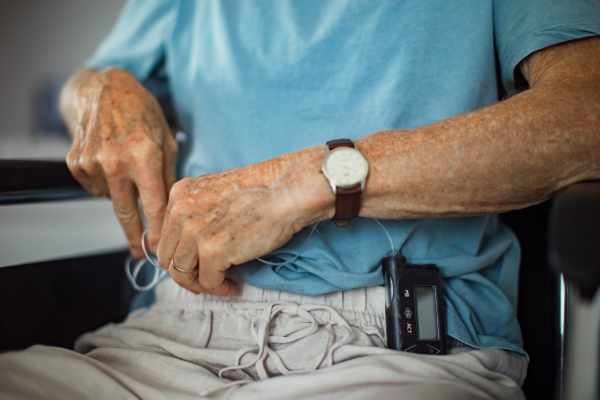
[45, 38]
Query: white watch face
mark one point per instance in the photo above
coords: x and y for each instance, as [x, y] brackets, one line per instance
[345, 167]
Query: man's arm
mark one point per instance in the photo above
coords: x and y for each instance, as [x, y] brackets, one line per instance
[507, 156]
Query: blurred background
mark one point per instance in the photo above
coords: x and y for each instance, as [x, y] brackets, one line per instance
[41, 44]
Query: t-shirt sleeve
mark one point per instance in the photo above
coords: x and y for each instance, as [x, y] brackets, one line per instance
[522, 27]
[136, 43]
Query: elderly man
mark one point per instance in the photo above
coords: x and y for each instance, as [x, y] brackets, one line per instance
[259, 88]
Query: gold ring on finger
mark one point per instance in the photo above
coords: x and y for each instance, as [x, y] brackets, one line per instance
[185, 271]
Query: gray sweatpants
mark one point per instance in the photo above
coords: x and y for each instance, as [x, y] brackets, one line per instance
[261, 344]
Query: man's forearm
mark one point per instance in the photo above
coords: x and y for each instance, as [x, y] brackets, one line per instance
[508, 156]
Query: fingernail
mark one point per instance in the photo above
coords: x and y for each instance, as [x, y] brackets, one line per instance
[155, 249]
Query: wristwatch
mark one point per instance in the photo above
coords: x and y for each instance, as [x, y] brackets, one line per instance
[346, 169]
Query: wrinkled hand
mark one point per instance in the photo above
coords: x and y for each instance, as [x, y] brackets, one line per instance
[123, 148]
[220, 220]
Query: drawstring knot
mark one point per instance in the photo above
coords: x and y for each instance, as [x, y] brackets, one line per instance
[262, 336]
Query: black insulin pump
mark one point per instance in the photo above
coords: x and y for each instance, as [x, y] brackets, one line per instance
[414, 315]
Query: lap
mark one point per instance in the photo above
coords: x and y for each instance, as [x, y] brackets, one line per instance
[318, 349]
[48, 373]
[399, 375]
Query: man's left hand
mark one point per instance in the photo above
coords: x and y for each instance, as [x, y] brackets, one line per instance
[215, 221]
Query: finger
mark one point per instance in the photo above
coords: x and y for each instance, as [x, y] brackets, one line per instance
[187, 280]
[186, 259]
[82, 177]
[175, 216]
[182, 237]
[96, 174]
[211, 274]
[178, 211]
[92, 154]
[75, 165]
[216, 283]
[170, 162]
[169, 174]
[79, 159]
[177, 191]
[124, 198]
[151, 188]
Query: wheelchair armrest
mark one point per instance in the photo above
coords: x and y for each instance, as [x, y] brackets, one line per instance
[27, 181]
[574, 236]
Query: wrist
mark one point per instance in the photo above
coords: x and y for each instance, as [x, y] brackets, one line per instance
[346, 170]
[311, 197]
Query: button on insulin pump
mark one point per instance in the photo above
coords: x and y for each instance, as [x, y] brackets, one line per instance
[415, 315]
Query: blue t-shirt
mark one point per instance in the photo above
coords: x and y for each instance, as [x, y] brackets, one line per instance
[251, 80]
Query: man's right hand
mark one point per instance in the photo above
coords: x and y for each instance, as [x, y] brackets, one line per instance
[122, 147]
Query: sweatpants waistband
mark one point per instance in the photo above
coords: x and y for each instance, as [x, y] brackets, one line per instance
[360, 306]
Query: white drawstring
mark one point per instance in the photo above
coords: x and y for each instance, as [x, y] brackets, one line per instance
[260, 333]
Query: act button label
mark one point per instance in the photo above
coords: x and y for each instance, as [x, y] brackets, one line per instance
[408, 328]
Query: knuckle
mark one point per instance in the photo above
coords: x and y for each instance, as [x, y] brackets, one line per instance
[111, 163]
[178, 212]
[125, 215]
[195, 227]
[112, 168]
[77, 172]
[181, 209]
[180, 186]
[140, 148]
[85, 163]
[188, 232]
[72, 162]
[154, 209]
[211, 250]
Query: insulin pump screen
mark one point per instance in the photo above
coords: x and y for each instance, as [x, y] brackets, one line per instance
[426, 313]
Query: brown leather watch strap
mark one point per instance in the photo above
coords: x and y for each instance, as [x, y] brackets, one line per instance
[347, 204]
[339, 143]
[347, 201]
